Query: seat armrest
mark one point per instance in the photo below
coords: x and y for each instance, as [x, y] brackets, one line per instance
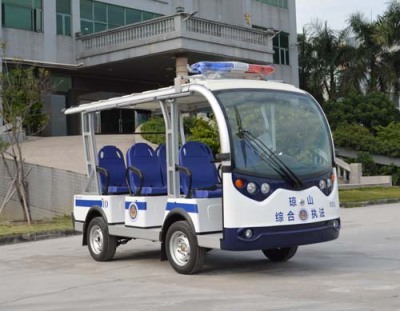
[104, 171]
[186, 171]
[138, 173]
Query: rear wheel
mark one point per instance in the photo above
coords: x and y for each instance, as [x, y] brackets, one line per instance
[101, 245]
[183, 252]
[280, 254]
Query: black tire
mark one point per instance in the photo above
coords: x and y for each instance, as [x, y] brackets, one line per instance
[280, 254]
[183, 252]
[101, 245]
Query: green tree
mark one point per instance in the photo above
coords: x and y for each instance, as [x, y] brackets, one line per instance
[196, 129]
[389, 37]
[310, 78]
[154, 125]
[387, 140]
[205, 131]
[364, 68]
[353, 136]
[374, 65]
[368, 164]
[21, 92]
[371, 110]
[322, 53]
[363, 58]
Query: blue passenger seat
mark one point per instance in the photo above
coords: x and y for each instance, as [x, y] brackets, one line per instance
[199, 177]
[144, 172]
[112, 171]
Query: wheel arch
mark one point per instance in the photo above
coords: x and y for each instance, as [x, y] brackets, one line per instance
[177, 214]
[94, 211]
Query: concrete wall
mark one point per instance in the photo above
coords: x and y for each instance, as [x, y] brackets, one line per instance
[29, 45]
[53, 106]
[50, 192]
[44, 46]
[356, 178]
[47, 46]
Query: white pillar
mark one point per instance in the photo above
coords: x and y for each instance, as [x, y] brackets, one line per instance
[355, 173]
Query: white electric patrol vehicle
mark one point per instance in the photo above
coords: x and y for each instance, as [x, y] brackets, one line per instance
[273, 189]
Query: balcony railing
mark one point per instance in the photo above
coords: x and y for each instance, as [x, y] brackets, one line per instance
[224, 31]
[171, 27]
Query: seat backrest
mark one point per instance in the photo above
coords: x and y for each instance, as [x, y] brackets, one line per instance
[197, 148]
[112, 159]
[197, 157]
[143, 157]
[161, 153]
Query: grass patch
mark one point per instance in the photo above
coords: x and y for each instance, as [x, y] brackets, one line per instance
[369, 194]
[16, 228]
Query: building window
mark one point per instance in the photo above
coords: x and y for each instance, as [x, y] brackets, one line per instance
[64, 17]
[280, 44]
[22, 14]
[61, 83]
[99, 16]
[281, 48]
[278, 3]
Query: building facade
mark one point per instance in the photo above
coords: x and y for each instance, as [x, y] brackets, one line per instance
[100, 49]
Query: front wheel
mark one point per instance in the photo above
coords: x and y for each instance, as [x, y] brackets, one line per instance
[101, 245]
[183, 252]
[280, 254]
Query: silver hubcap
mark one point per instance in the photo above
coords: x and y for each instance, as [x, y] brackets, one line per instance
[180, 248]
[96, 239]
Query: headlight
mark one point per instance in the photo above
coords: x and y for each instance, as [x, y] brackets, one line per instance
[251, 187]
[265, 188]
[322, 184]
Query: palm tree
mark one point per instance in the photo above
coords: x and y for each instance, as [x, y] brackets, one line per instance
[389, 37]
[332, 66]
[374, 65]
[322, 54]
[367, 50]
[310, 78]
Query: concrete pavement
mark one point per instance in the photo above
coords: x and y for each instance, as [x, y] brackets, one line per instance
[359, 271]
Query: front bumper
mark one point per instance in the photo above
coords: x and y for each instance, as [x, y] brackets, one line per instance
[280, 236]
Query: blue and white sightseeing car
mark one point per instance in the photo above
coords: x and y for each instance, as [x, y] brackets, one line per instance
[275, 187]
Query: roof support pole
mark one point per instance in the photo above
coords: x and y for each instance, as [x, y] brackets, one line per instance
[89, 145]
[171, 119]
[181, 62]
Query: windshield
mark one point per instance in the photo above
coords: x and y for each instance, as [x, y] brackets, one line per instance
[276, 133]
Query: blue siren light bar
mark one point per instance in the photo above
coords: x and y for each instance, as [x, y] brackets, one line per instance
[230, 67]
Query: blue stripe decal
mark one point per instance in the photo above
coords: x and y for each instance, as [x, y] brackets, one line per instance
[190, 208]
[88, 203]
[142, 206]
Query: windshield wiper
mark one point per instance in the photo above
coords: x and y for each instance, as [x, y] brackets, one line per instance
[273, 161]
[272, 158]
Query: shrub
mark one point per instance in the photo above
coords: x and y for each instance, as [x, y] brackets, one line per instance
[196, 129]
[154, 125]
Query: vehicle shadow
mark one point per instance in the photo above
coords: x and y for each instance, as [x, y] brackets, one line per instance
[219, 262]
